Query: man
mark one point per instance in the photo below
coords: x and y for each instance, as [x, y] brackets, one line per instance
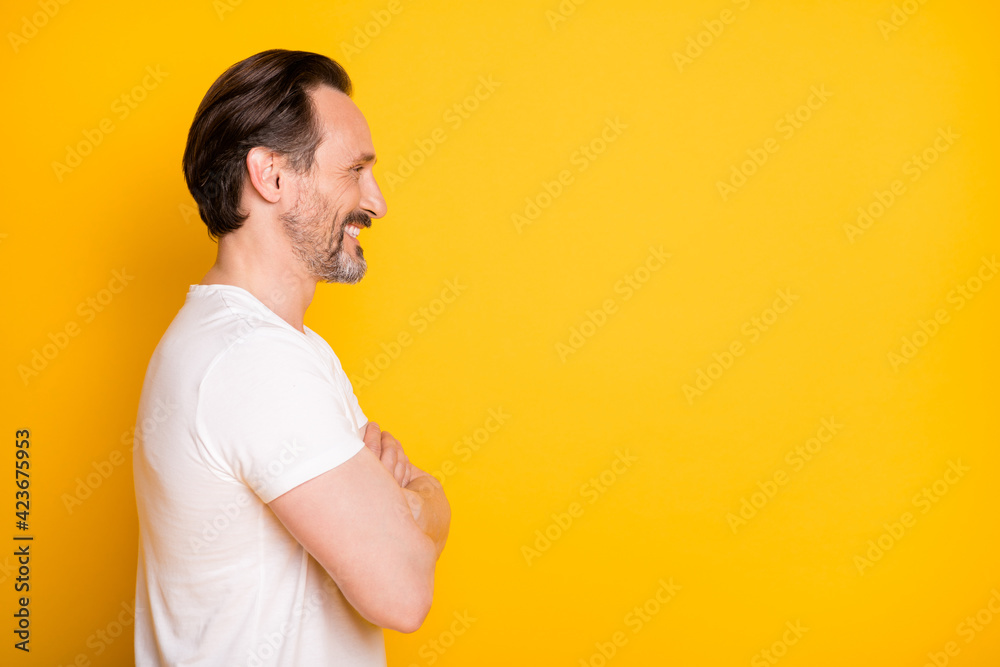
[278, 526]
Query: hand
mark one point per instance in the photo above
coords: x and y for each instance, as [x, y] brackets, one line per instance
[428, 505]
[430, 508]
[388, 450]
[416, 503]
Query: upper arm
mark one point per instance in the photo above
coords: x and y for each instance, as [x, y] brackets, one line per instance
[355, 521]
[274, 417]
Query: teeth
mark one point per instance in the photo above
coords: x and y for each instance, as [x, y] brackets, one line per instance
[353, 231]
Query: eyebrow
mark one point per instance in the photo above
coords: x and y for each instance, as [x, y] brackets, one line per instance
[364, 159]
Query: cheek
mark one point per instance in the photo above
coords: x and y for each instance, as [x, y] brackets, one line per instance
[343, 184]
[345, 194]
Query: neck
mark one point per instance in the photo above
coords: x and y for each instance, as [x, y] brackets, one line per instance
[264, 264]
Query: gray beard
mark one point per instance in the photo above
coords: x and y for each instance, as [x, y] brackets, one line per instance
[320, 248]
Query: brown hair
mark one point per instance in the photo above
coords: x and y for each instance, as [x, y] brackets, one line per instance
[261, 101]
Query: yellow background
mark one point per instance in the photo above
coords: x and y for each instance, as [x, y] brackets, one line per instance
[495, 346]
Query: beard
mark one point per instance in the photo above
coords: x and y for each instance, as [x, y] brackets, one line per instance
[318, 241]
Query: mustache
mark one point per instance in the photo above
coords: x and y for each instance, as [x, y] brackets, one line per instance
[359, 218]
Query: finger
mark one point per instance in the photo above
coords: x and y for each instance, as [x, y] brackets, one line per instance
[388, 441]
[373, 438]
[393, 457]
[405, 461]
[389, 458]
[402, 466]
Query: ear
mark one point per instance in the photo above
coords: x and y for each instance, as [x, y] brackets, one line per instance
[264, 167]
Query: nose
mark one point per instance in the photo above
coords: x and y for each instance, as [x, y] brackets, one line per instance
[372, 200]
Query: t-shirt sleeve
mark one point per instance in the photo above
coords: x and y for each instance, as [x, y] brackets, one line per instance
[352, 402]
[273, 415]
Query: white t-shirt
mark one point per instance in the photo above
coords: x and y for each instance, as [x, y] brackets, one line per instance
[237, 408]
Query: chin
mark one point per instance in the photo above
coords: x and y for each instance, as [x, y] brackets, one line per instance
[354, 280]
[347, 278]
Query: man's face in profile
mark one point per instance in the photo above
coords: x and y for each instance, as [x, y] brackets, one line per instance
[338, 196]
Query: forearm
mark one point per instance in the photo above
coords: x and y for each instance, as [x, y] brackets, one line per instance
[430, 508]
[428, 505]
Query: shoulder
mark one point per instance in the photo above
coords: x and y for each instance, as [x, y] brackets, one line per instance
[272, 412]
[321, 343]
[267, 353]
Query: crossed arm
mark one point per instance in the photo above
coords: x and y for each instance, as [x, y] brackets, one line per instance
[377, 524]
